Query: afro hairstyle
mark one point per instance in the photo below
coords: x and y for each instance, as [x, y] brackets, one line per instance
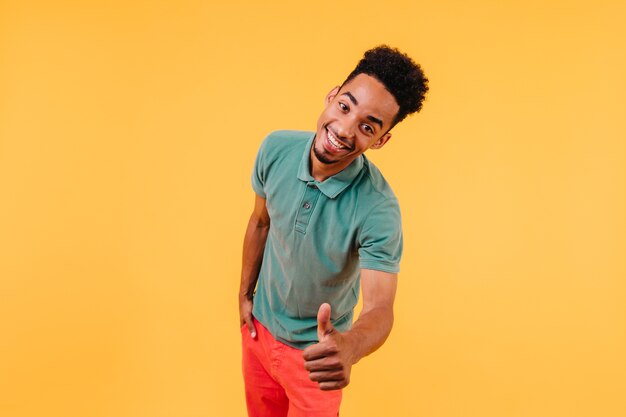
[400, 75]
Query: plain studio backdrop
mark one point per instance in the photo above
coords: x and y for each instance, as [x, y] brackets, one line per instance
[127, 136]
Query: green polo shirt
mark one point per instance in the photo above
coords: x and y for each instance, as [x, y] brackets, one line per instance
[321, 234]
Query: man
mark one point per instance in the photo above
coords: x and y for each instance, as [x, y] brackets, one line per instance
[325, 223]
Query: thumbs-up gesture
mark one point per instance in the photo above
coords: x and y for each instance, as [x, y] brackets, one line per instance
[329, 362]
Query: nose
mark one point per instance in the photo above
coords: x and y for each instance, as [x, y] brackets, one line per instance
[345, 129]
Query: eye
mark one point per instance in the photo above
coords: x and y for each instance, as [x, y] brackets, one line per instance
[343, 106]
[368, 129]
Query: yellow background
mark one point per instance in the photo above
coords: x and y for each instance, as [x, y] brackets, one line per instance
[127, 135]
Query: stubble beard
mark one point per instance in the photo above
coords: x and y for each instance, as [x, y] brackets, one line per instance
[322, 157]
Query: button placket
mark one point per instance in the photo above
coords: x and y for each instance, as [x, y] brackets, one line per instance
[307, 205]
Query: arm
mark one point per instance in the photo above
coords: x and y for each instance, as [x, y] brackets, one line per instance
[253, 248]
[330, 361]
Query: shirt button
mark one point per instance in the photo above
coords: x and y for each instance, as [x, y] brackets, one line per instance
[313, 186]
[306, 205]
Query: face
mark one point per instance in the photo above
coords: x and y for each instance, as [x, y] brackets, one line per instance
[356, 117]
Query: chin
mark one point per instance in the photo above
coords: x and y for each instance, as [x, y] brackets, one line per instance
[322, 157]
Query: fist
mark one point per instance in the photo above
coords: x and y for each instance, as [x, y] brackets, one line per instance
[329, 361]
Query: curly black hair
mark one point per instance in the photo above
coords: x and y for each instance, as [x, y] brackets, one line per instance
[400, 75]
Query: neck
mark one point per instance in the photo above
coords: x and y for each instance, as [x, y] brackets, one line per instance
[320, 171]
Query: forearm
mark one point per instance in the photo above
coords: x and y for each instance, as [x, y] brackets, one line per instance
[374, 324]
[370, 331]
[330, 361]
[253, 248]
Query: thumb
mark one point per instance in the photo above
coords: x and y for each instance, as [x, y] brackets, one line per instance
[324, 326]
[251, 328]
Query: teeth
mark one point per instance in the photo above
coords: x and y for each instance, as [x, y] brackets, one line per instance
[333, 141]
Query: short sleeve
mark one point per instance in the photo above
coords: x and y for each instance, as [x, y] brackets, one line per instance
[380, 239]
[259, 172]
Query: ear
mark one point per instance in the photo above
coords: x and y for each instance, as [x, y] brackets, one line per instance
[381, 142]
[331, 95]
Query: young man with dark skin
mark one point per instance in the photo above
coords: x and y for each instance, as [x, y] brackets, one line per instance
[325, 223]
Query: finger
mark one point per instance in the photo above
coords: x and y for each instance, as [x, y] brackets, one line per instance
[319, 350]
[324, 326]
[333, 385]
[251, 327]
[327, 376]
[324, 364]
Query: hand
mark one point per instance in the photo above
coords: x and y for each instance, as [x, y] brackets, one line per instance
[245, 314]
[329, 362]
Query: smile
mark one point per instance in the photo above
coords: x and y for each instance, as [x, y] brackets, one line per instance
[332, 140]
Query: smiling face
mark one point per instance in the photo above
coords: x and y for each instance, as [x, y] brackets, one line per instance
[356, 117]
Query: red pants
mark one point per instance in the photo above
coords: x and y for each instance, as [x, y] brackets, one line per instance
[277, 385]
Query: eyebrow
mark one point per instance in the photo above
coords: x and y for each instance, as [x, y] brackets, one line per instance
[375, 120]
[356, 103]
[351, 97]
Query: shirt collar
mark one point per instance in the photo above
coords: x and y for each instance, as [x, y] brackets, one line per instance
[332, 186]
